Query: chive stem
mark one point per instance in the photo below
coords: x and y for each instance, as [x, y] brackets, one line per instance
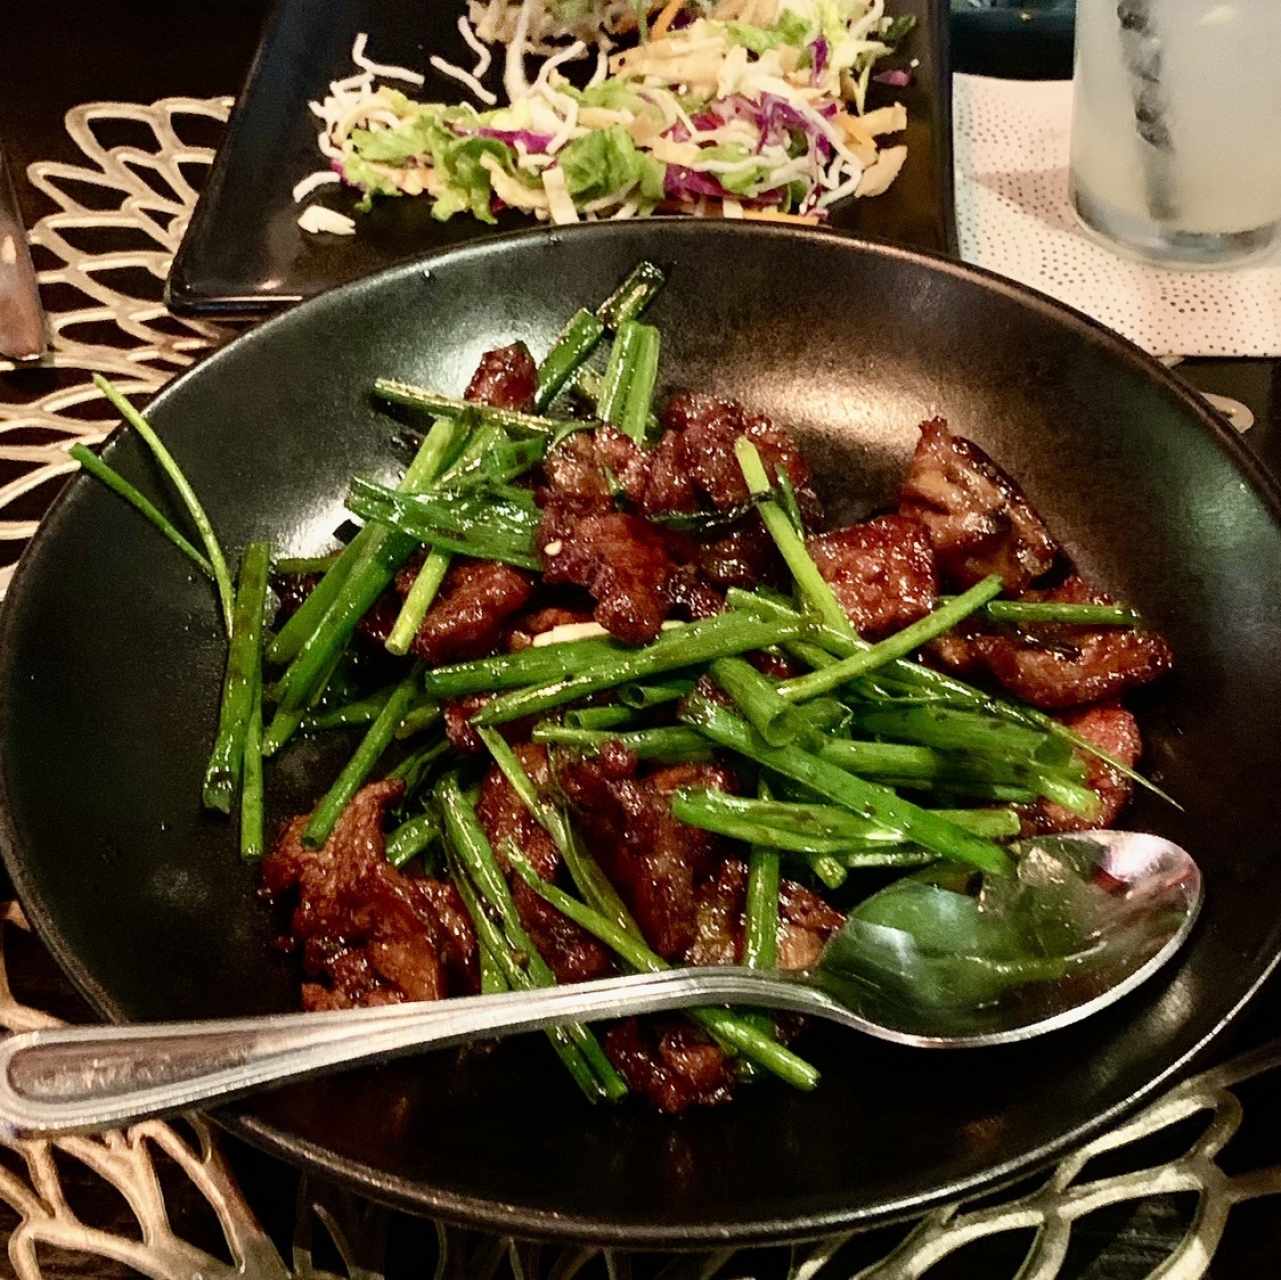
[672, 744]
[865, 799]
[217, 563]
[724, 1024]
[726, 634]
[104, 474]
[241, 682]
[898, 645]
[414, 607]
[760, 701]
[411, 838]
[470, 412]
[584, 870]
[630, 299]
[577, 341]
[469, 842]
[251, 801]
[376, 740]
[501, 970]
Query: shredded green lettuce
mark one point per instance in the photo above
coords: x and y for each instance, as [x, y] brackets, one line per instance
[607, 160]
[612, 95]
[750, 180]
[790, 28]
[468, 188]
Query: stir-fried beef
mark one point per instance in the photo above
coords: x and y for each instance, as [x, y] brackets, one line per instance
[653, 859]
[291, 589]
[622, 560]
[669, 486]
[690, 595]
[1114, 730]
[977, 517]
[670, 1063]
[505, 378]
[636, 570]
[589, 470]
[457, 714]
[612, 550]
[745, 556]
[573, 954]
[710, 426]
[468, 617]
[368, 934]
[805, 921]
[575, 478]
[881, 571]
[1054, 665]
[625, 466]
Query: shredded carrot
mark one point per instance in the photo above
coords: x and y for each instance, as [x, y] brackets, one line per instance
[777, 215]
[666, 18]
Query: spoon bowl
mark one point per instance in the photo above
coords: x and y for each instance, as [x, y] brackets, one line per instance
[1084, 920]
[931, 962]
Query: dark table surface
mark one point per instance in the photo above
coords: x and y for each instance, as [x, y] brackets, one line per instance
[78, 51]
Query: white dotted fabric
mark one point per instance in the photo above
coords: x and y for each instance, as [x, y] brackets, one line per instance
[1013, 217]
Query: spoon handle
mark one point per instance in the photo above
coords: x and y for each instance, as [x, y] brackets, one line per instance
[76, 1079]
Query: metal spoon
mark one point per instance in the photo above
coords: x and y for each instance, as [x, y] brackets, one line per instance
[1099, 912]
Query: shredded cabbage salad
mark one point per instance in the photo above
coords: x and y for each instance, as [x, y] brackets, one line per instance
[745, 108]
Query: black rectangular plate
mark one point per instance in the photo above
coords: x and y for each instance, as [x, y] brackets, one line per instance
[244, 254]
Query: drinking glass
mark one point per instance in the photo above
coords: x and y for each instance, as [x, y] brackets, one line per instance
[1176, 127]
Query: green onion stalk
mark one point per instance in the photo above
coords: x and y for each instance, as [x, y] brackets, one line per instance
[584, 870]
[411, 838]
[862, 798]
[419, 599]
[213, 551]
[630, 377]
[501, 969]
[242, 682]
[722, 636]
[376, 740]
[252, 845]
[725, 1025]
[470, 845]
[842, 643]
[670, 744]
[486, 526]
[371, 568]
[90, 462]
[761, 912]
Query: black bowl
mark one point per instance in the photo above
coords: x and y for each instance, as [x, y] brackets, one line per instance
[111, 655]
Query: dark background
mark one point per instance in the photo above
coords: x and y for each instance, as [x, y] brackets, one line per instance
[76, 51]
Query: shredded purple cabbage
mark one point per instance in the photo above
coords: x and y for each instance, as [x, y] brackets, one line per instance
[705, 120]
[818, 59]
[897, 77]
[535, 143]
[680, 183]
[678, 132]
[777, 114]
